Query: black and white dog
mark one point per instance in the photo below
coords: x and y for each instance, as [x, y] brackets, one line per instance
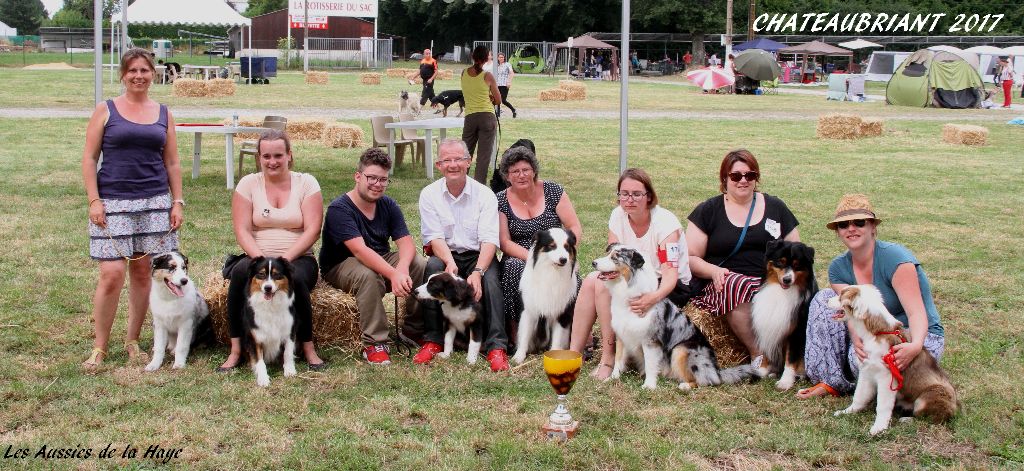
[459, 308]
[181, 317]
[269, 319]
[663, 340]
[779, 310]
[448, 98]
[548, 289]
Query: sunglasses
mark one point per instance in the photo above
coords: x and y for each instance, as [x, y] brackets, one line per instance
[856, 222]
[750, 176]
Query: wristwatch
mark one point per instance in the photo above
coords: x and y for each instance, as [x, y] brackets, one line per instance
[479, 270]
[181, 202]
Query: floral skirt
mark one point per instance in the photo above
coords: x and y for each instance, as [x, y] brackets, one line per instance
[133, 226]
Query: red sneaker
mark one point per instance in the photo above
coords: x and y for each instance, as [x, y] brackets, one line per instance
[498, 359]
[426, 353]
[377, 355]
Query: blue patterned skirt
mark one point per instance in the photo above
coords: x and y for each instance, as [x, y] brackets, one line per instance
[134, 226]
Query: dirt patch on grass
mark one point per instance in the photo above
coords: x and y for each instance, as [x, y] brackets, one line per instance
[50, 66]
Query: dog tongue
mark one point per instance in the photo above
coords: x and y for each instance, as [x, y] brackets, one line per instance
[607, 275]
[174, 288]
[268, 296]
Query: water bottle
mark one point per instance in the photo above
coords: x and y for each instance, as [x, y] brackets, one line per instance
[234, 119]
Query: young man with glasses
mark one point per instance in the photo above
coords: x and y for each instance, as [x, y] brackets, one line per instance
[356, 256]
[459, 222]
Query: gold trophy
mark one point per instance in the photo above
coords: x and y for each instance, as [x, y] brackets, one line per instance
[562, 368]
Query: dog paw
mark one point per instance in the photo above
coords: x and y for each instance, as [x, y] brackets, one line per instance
[471, 359]
[178, 365]
[762, 372]
[784, 384]
[685, 386]
[650, 385]
[877, 429]
[152, 366]
[519, 359]
[290, 371]
[263, 381]
[841, 412]
[444, 354]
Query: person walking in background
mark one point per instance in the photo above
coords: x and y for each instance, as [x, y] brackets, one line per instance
[503, 75]
[135, 200]
[428, 72]
[480, 91]
[687, 59]
[1006, 79]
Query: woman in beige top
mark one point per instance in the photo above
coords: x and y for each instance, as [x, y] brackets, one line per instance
[276, 213]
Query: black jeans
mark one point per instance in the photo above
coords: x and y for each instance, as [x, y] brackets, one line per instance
[504, 101]
[428, 92]
[304, 274]
[491, 302]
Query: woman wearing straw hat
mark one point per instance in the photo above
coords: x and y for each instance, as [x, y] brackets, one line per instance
[834, 352]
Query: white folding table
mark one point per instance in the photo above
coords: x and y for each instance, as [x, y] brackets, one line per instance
[427, 125]
[229, 144]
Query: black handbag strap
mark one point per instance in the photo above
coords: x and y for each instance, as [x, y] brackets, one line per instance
[743, 234]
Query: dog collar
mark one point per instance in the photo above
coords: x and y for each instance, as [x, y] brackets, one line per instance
[897, 332]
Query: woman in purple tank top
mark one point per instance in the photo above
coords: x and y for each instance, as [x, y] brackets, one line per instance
[135, 202]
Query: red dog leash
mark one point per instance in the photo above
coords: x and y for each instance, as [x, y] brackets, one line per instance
[890, 360]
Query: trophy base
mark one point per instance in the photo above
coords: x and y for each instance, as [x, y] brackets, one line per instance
[560, 432]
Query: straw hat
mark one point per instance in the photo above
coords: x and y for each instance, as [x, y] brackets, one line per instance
[853, 206]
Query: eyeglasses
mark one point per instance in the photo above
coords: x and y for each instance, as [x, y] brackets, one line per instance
[522, 171]
[856, 222]
[373, 179]
[636, 195]
[451, 161]
[750, 176]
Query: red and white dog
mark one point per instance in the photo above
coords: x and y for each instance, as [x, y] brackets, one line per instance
[921, 387]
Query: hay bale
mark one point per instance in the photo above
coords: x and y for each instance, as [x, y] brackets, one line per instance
[966, 134]
[839, 126]
[444, 74]
[369, 78]
[245, 121]
[342, 135]
[186, 87]
[574, 89]
[556, 94]
[316, 78]
[335, 314]
[728, 348]
[305, 129]
[871, 127]
[219, 87]
[396, 73]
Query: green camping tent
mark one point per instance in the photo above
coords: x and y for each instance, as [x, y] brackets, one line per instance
[935, 78]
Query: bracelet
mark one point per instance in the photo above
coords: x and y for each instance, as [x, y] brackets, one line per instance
[93, 201]
[179, 201]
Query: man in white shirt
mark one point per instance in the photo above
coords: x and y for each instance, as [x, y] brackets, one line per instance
[459, 223]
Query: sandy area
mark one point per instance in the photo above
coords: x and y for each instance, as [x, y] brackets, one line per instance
[50, 66]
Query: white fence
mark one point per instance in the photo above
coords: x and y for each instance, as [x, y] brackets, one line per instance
[348, 53]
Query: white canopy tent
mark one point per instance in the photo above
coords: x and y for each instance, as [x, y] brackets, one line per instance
[988, 59]
[183, 12]
[858, 44]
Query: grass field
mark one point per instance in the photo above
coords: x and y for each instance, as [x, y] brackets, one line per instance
[957, 208]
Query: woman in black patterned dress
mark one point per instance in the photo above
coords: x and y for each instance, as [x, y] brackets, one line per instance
[527, 206]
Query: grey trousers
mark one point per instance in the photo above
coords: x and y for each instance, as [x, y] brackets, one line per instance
[829, 357]
[479, 132]
[491, 302]
[368, 287]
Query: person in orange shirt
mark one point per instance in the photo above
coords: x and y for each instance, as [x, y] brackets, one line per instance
[428, 71]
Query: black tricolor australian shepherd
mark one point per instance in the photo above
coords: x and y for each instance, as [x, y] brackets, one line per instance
[779, 310]
[269, 319]
[181, 317]
[663, 341]
[460, 310]
[548, 289]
